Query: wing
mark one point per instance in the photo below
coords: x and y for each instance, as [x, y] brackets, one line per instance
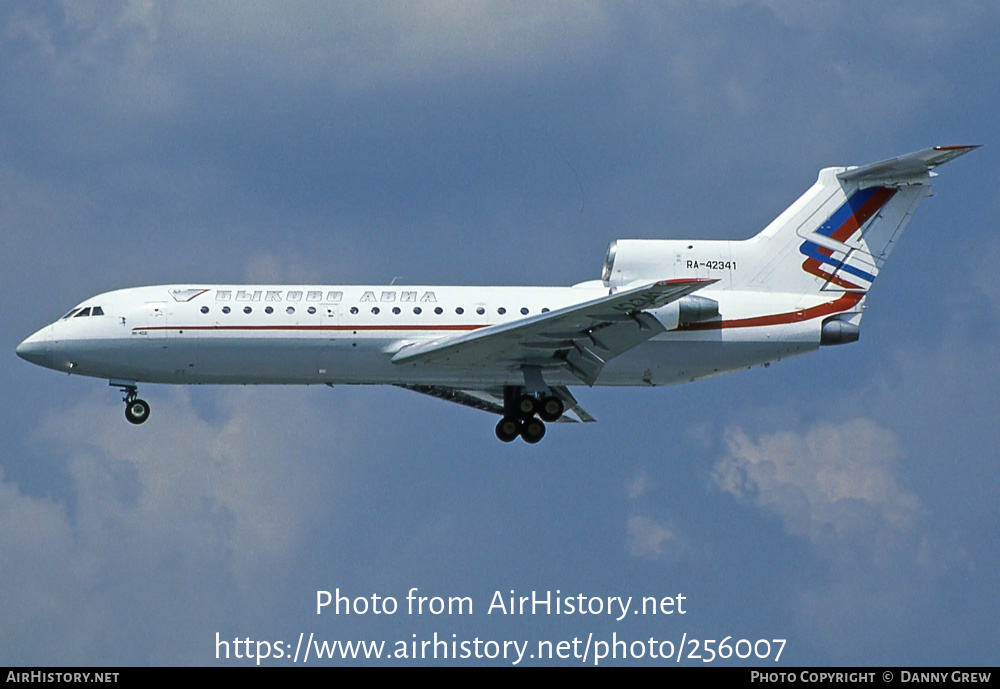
[582, 337]
[491, 400]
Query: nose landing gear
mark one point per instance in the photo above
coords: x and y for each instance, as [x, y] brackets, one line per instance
[136, 410]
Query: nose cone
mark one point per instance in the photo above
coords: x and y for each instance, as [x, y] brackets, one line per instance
[38, 348]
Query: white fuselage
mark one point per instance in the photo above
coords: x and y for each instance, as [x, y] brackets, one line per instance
[665, 311]
[281, 334]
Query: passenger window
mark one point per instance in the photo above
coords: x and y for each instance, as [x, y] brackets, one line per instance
[395, 310]
[225, 309]
[247, 309]
[459, 310]
[375, 310]
[501, 310]
[290, 310]
[354, 310]
[312, 309]
[524, 311]
[480, 310]
[416, 310]
[269, 309]
[204, 309]
[438, 310]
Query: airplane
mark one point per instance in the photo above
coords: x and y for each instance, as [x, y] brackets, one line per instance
[665, 311]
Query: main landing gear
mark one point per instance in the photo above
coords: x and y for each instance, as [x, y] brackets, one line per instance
[136, 410]
[520, 409]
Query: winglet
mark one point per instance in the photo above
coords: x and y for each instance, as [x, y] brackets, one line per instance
[909, 165]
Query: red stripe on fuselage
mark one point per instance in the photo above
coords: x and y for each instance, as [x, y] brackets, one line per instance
[311, 327]
[844, 303]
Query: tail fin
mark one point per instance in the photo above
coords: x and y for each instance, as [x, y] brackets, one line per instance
[835, 238]
[838, 235]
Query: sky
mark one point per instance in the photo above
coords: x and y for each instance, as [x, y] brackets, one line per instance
[844, 501]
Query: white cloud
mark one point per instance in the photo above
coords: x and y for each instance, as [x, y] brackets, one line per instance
[101, 55]
[649, 538]
[983, 277]
[830, 484]
[933, 26]
[222, 468]
[183, 521]
[267, 266]
[360, 45]
[638, 485]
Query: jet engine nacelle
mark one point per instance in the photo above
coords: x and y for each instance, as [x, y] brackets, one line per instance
[631, 260]
[837, 331]
[686, 310]
[628, 260]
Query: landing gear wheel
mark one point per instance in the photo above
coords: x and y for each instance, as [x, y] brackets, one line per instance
[532, 431]
[551, 409]
[527, 406]
[508, 429]
[136, 411]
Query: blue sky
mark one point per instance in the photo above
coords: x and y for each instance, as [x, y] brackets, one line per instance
[845, 501]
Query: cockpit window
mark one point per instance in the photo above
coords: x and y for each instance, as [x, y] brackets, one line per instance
[84, 312]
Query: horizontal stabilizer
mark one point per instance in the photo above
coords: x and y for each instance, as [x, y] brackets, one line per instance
[905, 166]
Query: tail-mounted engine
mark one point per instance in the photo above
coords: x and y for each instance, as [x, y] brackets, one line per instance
[633, 260]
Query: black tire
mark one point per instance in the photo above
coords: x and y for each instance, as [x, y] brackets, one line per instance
[527, 406]
[508, 429]
[532, 431]
[551, 409]
[137, 411]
